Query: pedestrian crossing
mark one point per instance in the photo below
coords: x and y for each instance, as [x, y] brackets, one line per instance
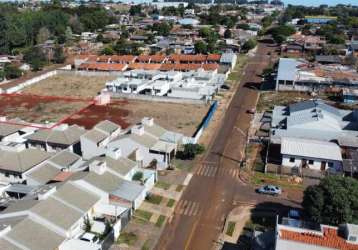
[188, 208]
[212, 171]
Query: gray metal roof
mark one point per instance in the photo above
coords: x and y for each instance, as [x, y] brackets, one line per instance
[107, 126]
[65, 158]
[67, 136]
[106, 182]
[95, 135]
[44, 173]
[287, 69]
[32, 235]
[57, 213]
[76, 196]
[128, 190]
[8, 129]
[310, 148]
[23, 160]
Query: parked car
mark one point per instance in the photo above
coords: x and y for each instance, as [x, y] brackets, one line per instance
[269, 189]
[251, 111]
[90, 237]
[225, 87]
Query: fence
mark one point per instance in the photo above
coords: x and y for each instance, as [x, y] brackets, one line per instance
[157, 98]
[88, 73]
[205, 122]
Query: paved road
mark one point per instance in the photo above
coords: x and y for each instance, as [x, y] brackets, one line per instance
[216, 188]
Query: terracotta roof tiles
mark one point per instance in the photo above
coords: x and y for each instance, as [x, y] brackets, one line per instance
[330, 238]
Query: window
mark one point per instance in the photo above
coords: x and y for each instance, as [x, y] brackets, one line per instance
[352, 238]
[310, 162]
[330, 164]
[292, 159]
[7, 175]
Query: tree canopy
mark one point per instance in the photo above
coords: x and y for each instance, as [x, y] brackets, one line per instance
[333, 201]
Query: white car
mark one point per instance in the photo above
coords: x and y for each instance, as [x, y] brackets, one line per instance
[90, 237]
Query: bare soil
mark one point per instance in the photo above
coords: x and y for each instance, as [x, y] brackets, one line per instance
[36, 109]
[70, 85]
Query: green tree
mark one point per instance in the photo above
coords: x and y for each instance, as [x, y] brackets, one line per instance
[3, 39]
[11, 71]
[58, 56]
[227, 33]
[249, 44]
[200, 47]
[333, 201]
[35, 57]
[43, 35]
[138, 176]
[107, 51]
[191, 150]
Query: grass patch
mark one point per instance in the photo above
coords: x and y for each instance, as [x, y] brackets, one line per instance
[127, 238]
[154, 199]
[162, 185]
[179, 188]
[261, 222]
[146, 245]
[144, 215]
[230, 228]
[183, 165]
[269, 99]
[171, 203]
[282, 181]
[160, 221]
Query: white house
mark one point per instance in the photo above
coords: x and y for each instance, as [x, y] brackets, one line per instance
[93, 142]
[312, 154]
[57, 139]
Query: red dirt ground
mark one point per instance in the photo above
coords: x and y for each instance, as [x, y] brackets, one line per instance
[37, 109]
[90, 116]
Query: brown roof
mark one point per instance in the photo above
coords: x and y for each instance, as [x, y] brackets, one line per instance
[62, 176]
[144, 66]
[210, 67]
[330, 238]
[123, 59]
[188, 58]
[214, 57]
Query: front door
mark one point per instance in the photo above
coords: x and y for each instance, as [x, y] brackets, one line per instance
[323, 165]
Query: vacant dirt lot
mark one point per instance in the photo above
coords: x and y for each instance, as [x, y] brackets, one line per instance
[37, 109]
[271, 98]
[182, 118]
[70, 85]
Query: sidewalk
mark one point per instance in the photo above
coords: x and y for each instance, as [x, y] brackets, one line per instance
[156, 209]
[239, 216]
[166, 193]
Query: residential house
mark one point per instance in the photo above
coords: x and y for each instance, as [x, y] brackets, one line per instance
[57, 139]
[300, 75]
[148, 144]
[313, 119]
[94, 141]
[312, 154]
[15, 164]
[294, 234]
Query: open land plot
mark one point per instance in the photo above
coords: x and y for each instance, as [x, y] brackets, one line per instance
[38, 109]
[269, 99]
[69, 85]
[182, 118]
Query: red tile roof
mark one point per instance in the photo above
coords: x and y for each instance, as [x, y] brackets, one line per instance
[187, 58]
[103, 59]
[330, 238]
[123, 59]
[145, 66]
[210, 66]
[214, 57]
[62, 176]
[143, 58]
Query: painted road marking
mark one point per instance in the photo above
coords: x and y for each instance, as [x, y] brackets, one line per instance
[188, 208]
